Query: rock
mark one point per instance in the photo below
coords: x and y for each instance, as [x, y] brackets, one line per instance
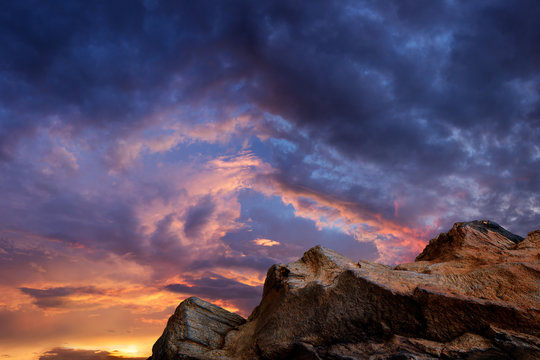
[473, 293]
[472, 346]
[195, 330]
[521, 346]
[469, 241]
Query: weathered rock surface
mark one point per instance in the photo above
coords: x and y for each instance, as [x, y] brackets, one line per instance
[194, 331]
[473, 293]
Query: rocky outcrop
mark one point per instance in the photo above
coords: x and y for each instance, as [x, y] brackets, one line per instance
[473, 293]
[196, 330]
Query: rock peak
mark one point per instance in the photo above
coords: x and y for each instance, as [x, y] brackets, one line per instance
[488, 225]
[474, 240]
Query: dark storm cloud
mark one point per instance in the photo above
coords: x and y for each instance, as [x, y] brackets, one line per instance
[100, 63]
[56, 297]
[197, 216]
[77, 354]
[439, 97]
[391, 89]
[378, 81]
[425, 93]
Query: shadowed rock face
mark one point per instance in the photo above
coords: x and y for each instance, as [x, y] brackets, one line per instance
[473, 293]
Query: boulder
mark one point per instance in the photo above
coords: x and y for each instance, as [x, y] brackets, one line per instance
[194, 331]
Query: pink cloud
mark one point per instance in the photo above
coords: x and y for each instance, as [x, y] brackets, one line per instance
[395, 242]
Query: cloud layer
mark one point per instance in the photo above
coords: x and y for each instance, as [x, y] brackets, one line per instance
[75, 354]
[156, 150]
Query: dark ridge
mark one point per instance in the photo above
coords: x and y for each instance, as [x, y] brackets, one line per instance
[485, 225]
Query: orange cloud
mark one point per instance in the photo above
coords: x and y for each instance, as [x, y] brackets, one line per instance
[128, 302]
[216, 181]
[266, 242]
[395, 242]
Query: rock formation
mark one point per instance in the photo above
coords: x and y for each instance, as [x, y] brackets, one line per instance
[473, 293]
[196, 327]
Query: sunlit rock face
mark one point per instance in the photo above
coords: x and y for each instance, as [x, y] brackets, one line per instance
[473, 293]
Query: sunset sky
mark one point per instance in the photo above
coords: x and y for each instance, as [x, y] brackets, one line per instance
[156, 150]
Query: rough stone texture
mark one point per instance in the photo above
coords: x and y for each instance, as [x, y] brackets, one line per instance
[194, 331]
[473, 293]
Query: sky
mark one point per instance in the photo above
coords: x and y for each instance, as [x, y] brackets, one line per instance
[156, 150]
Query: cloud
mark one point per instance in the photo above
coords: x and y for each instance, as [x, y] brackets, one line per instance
[145, 146]
[390, 107]
[415, 99]
[270, 218]
[197, 216]
[56, 297]
[216, 287]
[266, 242]
[420, 96]
[78, 354]
[213, 287]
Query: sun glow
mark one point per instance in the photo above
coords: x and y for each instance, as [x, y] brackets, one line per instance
[116, 350]
[129, 350]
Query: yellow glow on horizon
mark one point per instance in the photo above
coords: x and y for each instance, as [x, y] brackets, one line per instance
[143, 348]
[129, 350]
